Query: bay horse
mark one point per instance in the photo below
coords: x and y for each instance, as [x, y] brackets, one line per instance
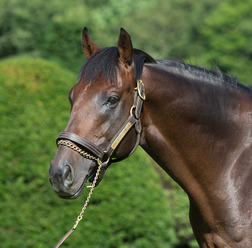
[194, 122]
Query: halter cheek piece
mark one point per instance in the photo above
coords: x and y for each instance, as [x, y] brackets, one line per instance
[104, 155]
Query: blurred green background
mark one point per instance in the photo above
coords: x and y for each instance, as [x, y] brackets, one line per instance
[136, 205]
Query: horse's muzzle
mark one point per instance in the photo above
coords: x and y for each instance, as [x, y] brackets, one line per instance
[62, 180]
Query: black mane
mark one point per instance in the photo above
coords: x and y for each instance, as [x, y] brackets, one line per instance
[214, 77]
[106, 61]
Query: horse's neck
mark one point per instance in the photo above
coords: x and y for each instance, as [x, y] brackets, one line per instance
[187, 131]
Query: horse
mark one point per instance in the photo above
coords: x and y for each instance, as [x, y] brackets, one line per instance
[194, 122]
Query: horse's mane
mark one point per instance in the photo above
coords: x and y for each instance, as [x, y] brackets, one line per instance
[215, 77]
[106, 61]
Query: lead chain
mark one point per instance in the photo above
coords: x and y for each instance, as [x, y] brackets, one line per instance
[77, 149]
[79, 218]
[87, 155]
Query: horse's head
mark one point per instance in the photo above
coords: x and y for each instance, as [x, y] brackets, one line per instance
[100, 120]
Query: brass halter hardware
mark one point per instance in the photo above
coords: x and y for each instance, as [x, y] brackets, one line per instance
[140, 89]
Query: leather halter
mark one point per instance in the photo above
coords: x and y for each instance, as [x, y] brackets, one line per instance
[133, 120]
[102, 156]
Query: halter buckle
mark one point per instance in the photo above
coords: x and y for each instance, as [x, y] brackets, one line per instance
[140, 89]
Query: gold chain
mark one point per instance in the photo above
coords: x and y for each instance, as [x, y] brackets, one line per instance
[86, 155]
[77, 149]
[79, 218]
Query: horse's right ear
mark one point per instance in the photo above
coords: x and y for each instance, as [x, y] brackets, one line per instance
[89, 47]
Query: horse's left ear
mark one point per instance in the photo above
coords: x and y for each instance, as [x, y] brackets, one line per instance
[88, 44]
[125, 49]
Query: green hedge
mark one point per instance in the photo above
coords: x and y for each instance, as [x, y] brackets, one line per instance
[128, 209]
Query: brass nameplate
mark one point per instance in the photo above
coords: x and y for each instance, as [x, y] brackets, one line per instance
[121, 135]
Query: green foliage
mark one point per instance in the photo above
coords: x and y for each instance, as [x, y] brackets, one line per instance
[128, 209]
[216, 32]
[43, 29]
[226, 38]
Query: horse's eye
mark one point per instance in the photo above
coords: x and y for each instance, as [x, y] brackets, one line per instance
[112, 100]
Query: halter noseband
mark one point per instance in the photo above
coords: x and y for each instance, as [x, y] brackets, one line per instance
[99, 154]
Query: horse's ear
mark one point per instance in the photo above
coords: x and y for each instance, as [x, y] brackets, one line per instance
[88, 44]
[125, 49]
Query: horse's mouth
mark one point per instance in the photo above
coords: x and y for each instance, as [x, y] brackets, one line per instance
[90, 177]
[65, 195]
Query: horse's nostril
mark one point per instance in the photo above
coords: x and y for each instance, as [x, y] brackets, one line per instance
[68, 176]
